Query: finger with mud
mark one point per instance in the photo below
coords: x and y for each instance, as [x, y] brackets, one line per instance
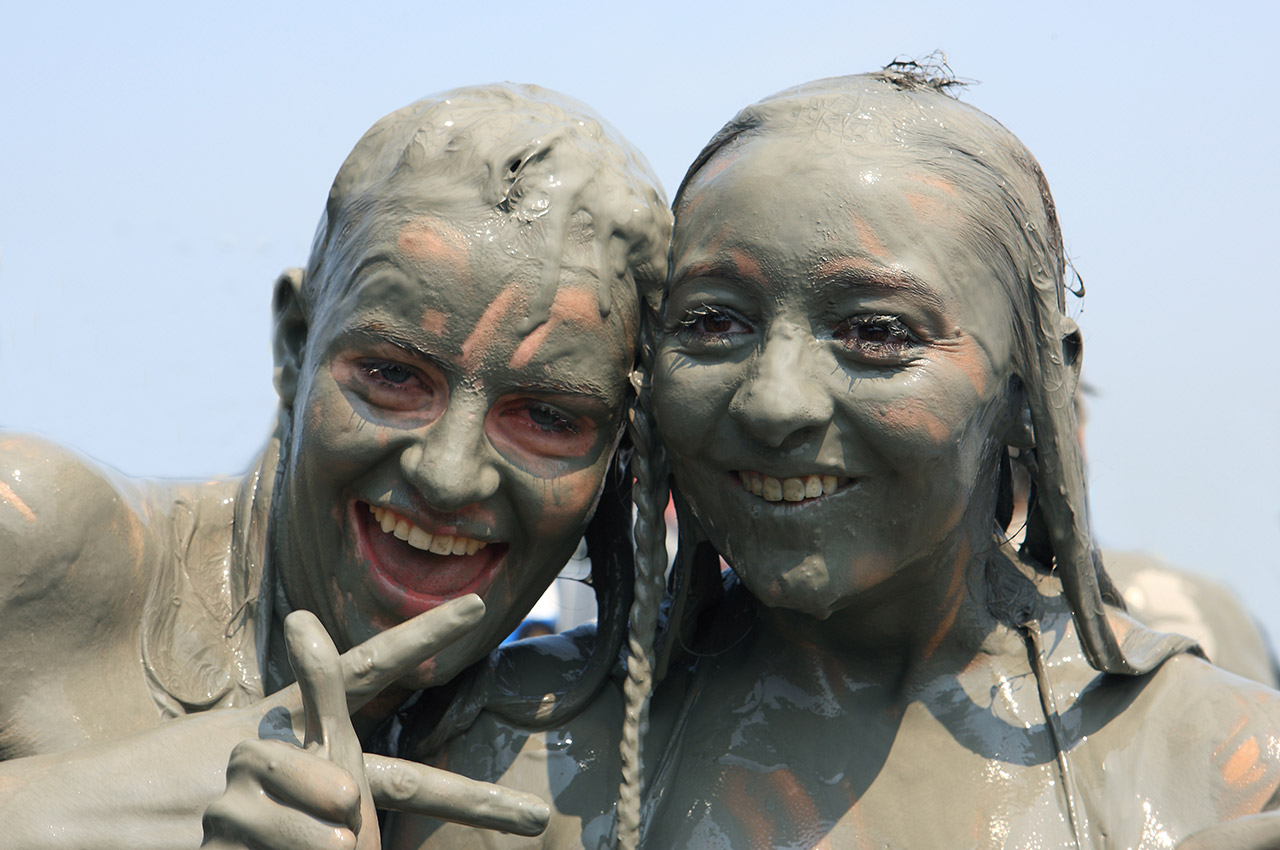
[324, 699]
[296, 779]
[393, 654]
[418, 789]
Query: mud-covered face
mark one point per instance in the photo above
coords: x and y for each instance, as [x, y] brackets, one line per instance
[833, 369]
[436, 450]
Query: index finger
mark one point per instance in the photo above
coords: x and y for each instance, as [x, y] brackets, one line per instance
[406, 786]
[391, 655]
[324, 700]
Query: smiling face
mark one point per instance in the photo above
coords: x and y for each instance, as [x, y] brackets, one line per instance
[436, 450]
[834, 370]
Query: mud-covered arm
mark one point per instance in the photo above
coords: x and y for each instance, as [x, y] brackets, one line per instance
[145, 790]
[151, 789]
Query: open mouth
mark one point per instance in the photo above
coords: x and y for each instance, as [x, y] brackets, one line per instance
[416, 568]
[802, 488]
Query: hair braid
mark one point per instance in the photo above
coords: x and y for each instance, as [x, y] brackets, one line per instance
[650, 494]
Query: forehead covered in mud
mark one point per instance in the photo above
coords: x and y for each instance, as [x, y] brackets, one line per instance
[889, 127]
[500, 176]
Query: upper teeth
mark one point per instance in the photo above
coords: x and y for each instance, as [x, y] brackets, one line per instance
[790, 489]
[439, 544]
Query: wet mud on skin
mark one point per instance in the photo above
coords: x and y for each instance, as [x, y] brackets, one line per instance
[867, 286]
[455, 356]
[474, 282]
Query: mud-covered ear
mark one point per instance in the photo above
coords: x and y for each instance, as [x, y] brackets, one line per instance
[290, 334]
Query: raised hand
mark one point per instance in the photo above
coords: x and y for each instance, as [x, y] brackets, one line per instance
[281, 796]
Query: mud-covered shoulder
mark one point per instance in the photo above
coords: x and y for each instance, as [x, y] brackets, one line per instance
[74, 546]
[66, 525]
[1222, 726]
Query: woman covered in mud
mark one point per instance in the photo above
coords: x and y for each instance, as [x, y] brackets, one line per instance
[866, 313]
[452, 368]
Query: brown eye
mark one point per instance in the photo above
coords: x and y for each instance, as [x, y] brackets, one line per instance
[716, 323]
[875, 337]
[872, 333]
[710, 325]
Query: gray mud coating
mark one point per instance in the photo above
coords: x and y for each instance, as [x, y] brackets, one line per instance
[483, 191]
[442, 234]
[867, 286]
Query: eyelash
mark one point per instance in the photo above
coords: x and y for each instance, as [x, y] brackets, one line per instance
[688, 324]
[893, 327]
[560, 425]
[375, 371]
[898, 339]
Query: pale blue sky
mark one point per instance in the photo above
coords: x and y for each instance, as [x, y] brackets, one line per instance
[159, 166]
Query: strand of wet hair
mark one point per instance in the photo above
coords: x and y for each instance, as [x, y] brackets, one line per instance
[649, 468]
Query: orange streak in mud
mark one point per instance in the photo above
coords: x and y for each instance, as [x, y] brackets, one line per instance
[736, 260]
[746, 265]
[571, 304]
[575, 304]
[868, 240]
[1244, 721]
[718, 164]
[529, 346]
[930, 208]
[9, 497]
[799, 804]
[478, 342]
[709, 172]
[1242, 767]
[972, 361]
[429, 239]
[936, 183]
[433, 321]
[914, 415]
[745, 805]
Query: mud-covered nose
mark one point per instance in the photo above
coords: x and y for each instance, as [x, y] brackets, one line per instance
[449, 461]
[783, 393]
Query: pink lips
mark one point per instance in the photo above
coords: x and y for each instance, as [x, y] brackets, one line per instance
[410, 580]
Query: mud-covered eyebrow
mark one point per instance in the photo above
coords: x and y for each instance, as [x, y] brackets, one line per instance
[854, 274]
[376, 333]
[724, 269]
[375, 261]
[380, 334]
[585, 389]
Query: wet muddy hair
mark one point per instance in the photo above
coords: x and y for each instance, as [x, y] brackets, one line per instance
[908, 110]
[542, 174]
[533, 170]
